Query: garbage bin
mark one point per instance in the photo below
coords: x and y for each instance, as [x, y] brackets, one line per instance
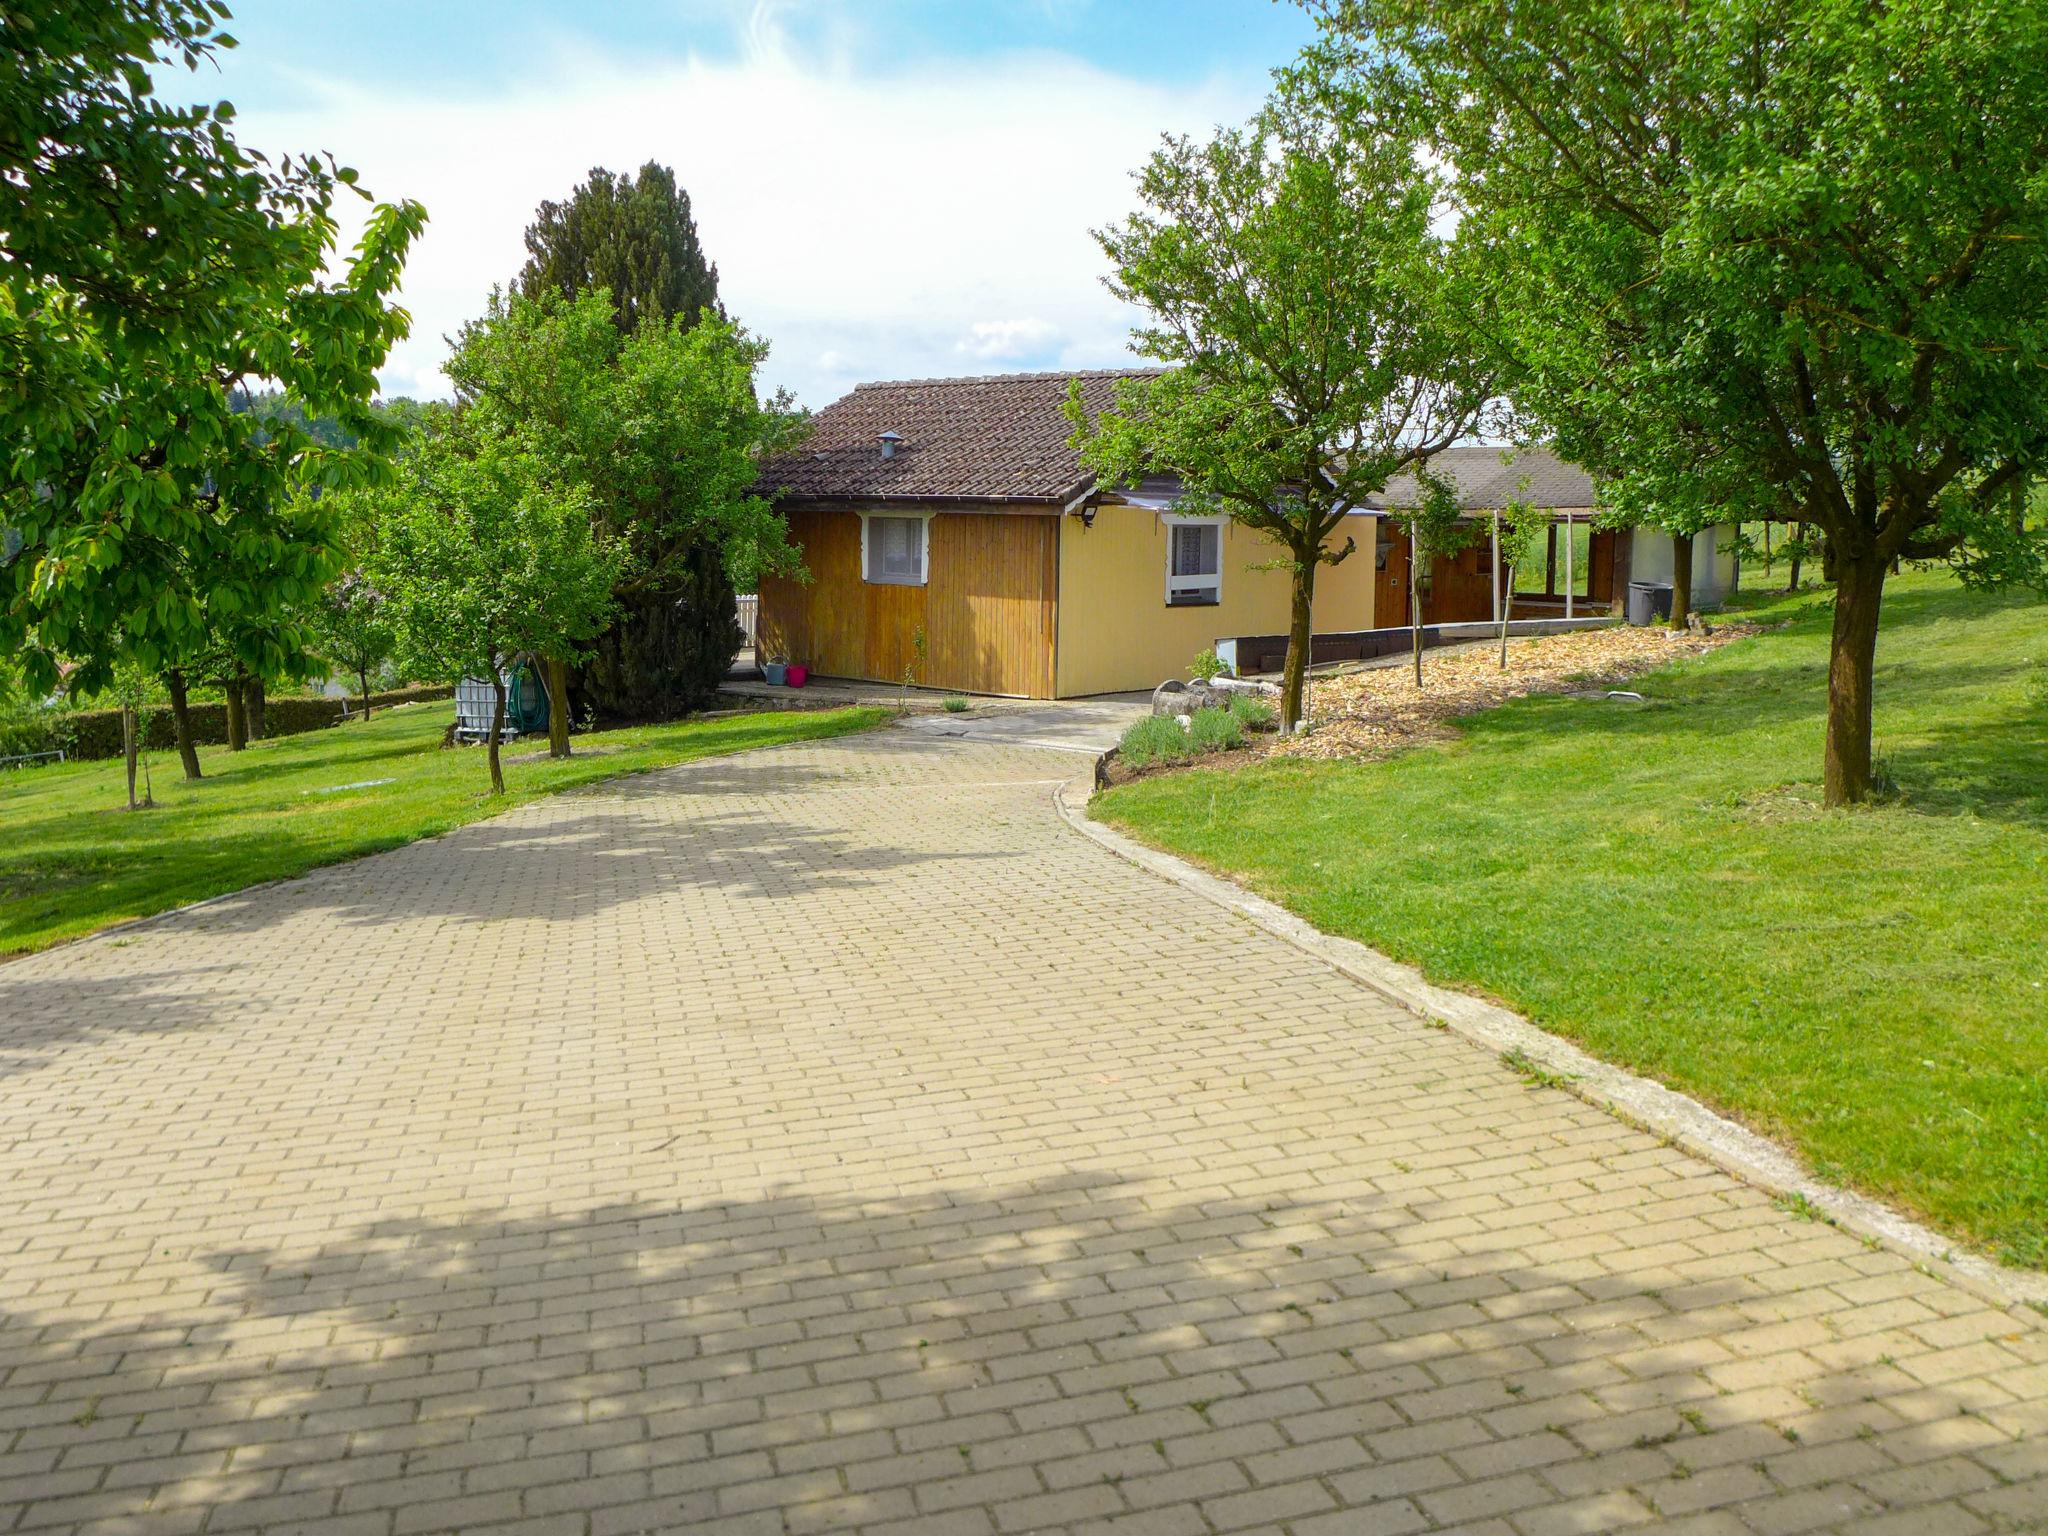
[1648, 602]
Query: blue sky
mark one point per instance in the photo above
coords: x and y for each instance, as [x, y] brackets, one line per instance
[891, 188]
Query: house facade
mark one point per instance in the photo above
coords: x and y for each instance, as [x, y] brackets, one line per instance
[954, 511]
[955, 508]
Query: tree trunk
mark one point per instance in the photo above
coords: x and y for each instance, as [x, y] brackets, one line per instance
[1852, 657]
[253, 700]
[363, 682]
[1681, 579]
[1799, 538]
[1506, 612]
[1300, 641]
[128, 750]
[238, 721]
[181, 721]
[558, 707]
[497, 730]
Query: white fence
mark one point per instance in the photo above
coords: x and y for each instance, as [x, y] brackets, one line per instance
[750, 618]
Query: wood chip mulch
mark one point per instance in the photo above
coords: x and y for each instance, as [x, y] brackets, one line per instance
[1379, 710]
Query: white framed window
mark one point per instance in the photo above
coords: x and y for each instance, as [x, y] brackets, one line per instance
[894, 551]
[1194, 560]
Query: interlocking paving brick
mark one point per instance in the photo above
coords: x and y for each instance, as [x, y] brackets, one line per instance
[829, 1139]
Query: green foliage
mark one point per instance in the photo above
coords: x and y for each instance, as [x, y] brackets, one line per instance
[1317, 325]
[484, 558]
[1207, 665]
[956, 706]
[660, 432]
[1433, 519]
[1215, 730]
[634, 238]
[1252, 713]
[1154, 739]
[1522, 530]
[1758, 260]
[152, 266]
[352, 627]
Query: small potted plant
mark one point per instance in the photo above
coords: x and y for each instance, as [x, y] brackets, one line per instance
[775, 670]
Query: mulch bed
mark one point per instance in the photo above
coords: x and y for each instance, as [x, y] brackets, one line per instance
[1379, 711]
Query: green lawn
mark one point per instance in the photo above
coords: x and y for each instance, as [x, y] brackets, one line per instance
[73, 860]
[1658, 883]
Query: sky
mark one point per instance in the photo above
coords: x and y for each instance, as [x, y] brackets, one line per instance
[890, 188]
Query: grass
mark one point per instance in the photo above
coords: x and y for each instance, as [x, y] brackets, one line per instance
[74, 860]
[1658, 882]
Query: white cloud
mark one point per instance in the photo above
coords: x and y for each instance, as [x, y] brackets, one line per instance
[1007, 341]
[864, 222]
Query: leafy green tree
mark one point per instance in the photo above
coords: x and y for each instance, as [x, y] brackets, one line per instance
[663, 431]
[631, 236]
[151, 266]
[354, 628]
[1782, 257]
[488, 561]
[1314, 321]
[1519, 530]
[1436, 529]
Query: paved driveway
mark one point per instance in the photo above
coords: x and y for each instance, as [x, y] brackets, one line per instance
[829, 1139]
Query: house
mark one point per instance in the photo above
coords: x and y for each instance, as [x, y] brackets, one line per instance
[956, 508]
[1586, 569]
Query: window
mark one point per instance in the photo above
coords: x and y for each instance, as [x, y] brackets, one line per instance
[1194, 561]
[893, 549]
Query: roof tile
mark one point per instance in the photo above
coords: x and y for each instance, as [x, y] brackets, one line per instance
[1000, 437]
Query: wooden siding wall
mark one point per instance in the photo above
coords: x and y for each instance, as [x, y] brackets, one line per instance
[986, 606]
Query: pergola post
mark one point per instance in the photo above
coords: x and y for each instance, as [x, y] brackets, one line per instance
[1568, 565]
[1496, 565]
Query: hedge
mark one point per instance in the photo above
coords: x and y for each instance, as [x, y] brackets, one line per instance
[85, 733]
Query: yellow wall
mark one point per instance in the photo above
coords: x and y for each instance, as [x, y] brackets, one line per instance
[1116, 631]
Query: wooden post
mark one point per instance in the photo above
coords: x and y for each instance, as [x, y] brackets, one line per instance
[1496, 565]
[1567, 565]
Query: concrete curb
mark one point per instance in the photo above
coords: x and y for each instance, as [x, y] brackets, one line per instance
[1654, 1108]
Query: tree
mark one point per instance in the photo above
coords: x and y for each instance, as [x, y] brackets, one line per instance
[633, 238]
[151, 266]
[487, 562]
[1312, 318]
[1518, 532]
[354, 628]
[663, 432]
[1435, 527]
[1789, 251]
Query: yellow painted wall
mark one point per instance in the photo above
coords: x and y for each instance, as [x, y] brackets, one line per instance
[1116, 631]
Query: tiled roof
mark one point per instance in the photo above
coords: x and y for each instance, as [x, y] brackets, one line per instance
[1485, 482]
[1002, 437]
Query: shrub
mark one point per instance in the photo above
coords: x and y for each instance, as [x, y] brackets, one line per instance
[1215, 730]
[956, 706]
[1207, 665]
[97, 732]
[1154, 739]
[28, 728]
[1254, 714]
